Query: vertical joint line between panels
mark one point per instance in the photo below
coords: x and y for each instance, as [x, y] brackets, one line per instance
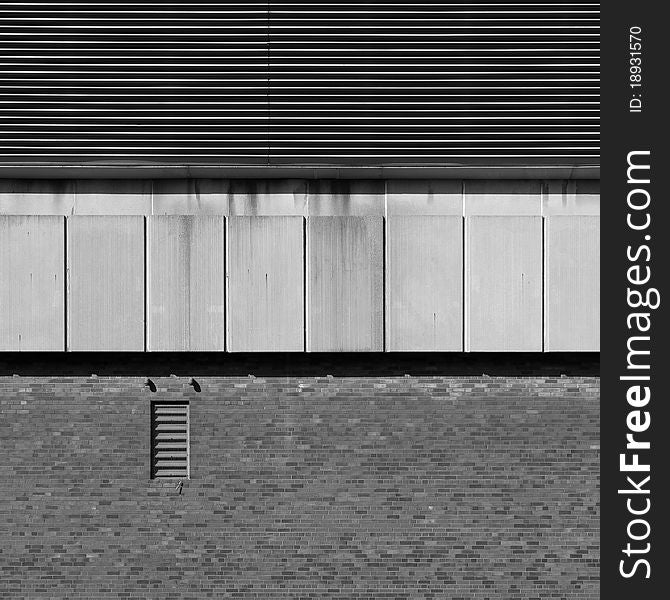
[544, 287]
[463, 197]
[66, 285]
[384, 266]
[385, 310]
[464, 284]
[226, 285]
[543, 193]
[146, 282]
[305, 277]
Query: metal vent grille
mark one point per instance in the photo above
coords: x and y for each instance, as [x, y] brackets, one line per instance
[299, 83]
[169, 440]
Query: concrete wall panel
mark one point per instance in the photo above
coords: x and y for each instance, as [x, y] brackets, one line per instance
[504, 284]
[424, 284]
[32, 287]
[105, 265]
[572, 288]
[345, 289]
[185, 303]
[266, 284]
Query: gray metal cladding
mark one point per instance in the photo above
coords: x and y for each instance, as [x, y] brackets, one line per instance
[266, 285]
[185, 283]
[105, 283]
[503, 270]
[572, 283]
[163, 82]
[424, 283]
[32, 288]
[300, 83]
[345, 284]
[425, 82]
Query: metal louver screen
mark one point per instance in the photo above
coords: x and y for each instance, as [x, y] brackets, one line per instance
[288, 83]
[169, 440]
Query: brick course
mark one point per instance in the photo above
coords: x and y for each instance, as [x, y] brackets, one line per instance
[364, 487]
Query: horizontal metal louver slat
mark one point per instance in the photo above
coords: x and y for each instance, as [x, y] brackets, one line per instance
[383, 82]
[169, 440]
[176, 429]
[172, 466]
[169, 436]
[171, 473]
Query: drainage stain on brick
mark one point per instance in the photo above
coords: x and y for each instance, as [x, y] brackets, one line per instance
[333, 487]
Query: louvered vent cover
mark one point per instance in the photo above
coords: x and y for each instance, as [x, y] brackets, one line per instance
[169, 440]
[314, 83]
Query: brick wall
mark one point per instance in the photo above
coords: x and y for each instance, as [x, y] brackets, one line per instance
[426, 486]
